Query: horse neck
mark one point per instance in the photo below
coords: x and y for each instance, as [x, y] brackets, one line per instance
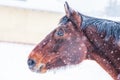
[103, 52]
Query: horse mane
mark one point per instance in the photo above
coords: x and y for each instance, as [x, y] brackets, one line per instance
[111, 28]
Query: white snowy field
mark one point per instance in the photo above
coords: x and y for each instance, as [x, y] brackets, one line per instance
[13, 66]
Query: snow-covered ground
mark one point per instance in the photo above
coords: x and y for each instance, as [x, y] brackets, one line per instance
[13, 66]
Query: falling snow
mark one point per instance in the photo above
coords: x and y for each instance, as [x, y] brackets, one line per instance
[118, 58]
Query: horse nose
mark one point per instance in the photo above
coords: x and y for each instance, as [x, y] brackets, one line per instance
[41, 66]
[31, 63]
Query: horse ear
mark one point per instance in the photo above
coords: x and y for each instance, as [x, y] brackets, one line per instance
[72, 14]
[68, 10]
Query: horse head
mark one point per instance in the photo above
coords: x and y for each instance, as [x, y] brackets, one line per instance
[63, 46]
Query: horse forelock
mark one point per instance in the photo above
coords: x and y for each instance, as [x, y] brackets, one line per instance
[63, 20]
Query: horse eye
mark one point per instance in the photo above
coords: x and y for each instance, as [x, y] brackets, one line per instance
[60, 32]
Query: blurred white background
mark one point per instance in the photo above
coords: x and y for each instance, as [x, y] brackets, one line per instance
[13, 57]
[91, 7]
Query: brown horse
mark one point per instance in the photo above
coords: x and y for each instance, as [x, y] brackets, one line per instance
[77, 38]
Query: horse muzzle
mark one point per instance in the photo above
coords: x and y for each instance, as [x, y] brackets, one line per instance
[33, 66]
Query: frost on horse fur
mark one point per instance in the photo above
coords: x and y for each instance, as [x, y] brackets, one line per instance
[77, 38]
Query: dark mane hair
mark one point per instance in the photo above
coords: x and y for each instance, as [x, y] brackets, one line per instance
[111, 28]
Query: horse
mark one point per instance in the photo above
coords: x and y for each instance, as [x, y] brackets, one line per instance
[77, 38]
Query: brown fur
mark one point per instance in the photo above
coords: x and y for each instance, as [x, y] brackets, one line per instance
[70, 44]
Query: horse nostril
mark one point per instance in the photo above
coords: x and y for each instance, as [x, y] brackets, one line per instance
[31, 63]
[41, 66]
